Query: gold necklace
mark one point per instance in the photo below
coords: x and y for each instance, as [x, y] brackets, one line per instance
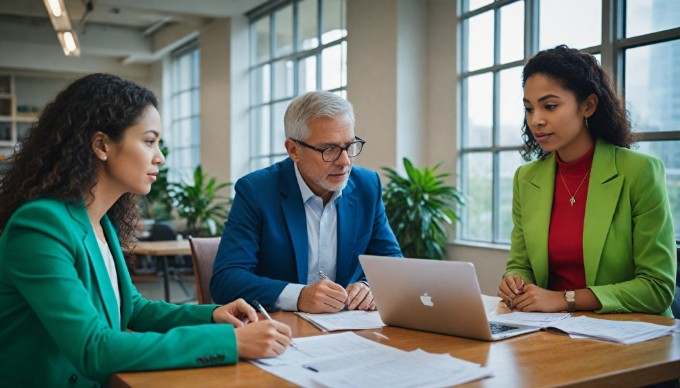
[572, 198]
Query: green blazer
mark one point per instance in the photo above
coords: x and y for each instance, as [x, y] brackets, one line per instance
[58, 320]
[628, 238]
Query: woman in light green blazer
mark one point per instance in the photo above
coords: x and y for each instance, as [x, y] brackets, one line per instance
[69, 313]
[602, 238]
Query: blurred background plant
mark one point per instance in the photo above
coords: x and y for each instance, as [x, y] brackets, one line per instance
[201, 204]
[419, 207]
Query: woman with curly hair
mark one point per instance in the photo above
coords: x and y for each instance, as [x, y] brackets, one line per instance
[592, 222]
[69, 313]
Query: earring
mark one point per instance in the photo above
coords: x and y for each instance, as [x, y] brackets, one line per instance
[585, 121]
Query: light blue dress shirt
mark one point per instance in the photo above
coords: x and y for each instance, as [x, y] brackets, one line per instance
[322, 234]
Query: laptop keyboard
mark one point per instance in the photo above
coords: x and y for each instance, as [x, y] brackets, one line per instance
[499, 328]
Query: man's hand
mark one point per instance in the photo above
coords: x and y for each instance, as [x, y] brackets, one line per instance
[238, 313]
[359, 297]
[323, 296]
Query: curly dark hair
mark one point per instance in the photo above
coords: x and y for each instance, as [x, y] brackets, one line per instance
[56, 158]
[580, 73]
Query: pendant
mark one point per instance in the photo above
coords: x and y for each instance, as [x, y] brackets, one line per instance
[571, 201]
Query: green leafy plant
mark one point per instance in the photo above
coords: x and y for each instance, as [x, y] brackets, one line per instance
[419, 206]
[200, 204]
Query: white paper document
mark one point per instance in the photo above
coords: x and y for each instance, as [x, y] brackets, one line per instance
[625, 332]
[528, 319]
[344, 320]
[349, 360]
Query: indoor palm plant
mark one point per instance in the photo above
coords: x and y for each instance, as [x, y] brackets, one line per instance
[419, 207]
[200, 204]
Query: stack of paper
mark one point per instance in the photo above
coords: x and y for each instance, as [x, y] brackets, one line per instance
[625, 332]
[344, 320]
[348, 360]
[528, 319]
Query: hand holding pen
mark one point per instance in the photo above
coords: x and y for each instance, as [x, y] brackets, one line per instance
[264, 313]
[359, 296]
[259, 339]
[324, 296]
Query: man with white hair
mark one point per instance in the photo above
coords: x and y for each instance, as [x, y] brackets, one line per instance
[296, 228]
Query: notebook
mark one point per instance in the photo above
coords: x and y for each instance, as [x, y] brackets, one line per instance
[433, 295]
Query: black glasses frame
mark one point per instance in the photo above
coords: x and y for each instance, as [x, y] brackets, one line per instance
[357, 140]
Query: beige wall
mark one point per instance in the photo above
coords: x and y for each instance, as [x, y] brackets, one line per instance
[215, 97]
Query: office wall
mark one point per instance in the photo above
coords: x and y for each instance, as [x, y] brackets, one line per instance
[215, 94]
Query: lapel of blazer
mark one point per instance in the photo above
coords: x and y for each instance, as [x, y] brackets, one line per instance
[295, 218]
[347, 217]
[539, 190]
[604, 190]
[124, 281]
[79, 214]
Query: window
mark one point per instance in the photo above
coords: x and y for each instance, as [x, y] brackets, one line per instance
[297, 46]
[183, 138]
[497, 37]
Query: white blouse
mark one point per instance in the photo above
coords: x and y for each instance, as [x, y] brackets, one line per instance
[111, 269]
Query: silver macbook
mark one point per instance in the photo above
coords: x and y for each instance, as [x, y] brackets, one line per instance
[433, 295]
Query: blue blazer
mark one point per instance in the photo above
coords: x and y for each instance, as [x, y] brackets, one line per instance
[59, 324]
[264, 246]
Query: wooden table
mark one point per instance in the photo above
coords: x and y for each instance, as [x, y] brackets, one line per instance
[163, 249]
[532, 360]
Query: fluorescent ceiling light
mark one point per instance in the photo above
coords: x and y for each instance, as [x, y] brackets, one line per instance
[69, 43]
[58, 14]
[55, 7]
[62, 25]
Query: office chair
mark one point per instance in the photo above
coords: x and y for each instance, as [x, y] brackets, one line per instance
[203, 252]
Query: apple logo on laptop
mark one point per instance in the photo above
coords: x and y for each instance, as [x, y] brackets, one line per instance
[426, 300]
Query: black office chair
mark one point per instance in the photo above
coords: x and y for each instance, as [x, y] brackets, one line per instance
[176, 265]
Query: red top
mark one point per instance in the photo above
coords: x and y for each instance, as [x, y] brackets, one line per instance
[565, 239]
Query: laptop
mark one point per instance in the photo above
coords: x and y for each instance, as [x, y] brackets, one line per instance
[433, 295]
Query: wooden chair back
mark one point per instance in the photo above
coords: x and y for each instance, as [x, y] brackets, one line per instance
[203, 252]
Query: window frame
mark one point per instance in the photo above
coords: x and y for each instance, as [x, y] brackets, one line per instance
[296, 56]
[178, 172]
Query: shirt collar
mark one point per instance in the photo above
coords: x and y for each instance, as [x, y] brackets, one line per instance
[307, 192]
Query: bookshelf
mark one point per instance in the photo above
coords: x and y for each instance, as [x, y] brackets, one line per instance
[16, 117]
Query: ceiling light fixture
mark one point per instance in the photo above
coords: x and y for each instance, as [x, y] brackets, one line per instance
[62, 25]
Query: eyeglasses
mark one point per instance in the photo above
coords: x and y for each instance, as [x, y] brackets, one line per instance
[332, 153]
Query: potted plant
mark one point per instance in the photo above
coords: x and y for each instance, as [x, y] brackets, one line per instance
[419, 206]
[200, 204]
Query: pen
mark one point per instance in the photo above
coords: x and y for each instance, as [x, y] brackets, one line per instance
[264, 312]
[261, 309]
[323, 276]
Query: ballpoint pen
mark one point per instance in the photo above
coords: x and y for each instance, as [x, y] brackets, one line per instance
[264, 312]
[323, 276]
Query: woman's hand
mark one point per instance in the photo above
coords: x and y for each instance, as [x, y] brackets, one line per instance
[238, 313]
[535, 298]
[262, 339]
[510, 287]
